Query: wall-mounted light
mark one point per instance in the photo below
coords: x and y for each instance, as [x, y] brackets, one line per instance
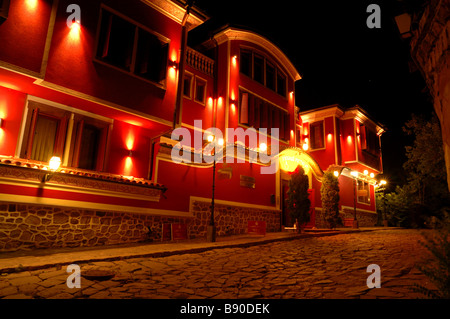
[130, 153]
[336, 173]
[305, 146]
[53, 165]
[1, 122]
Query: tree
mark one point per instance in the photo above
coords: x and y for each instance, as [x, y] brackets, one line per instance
[329, 192]
[425, 193]
[298, 201]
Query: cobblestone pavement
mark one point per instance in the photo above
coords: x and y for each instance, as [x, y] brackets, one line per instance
[324, 267]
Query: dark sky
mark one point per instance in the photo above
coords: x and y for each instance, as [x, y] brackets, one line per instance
[340, 59]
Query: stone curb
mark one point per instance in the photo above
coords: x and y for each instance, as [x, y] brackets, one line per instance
[66, 260]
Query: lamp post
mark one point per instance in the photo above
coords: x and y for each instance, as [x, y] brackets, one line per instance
[385, 222]
[355, 221]
[211, 228]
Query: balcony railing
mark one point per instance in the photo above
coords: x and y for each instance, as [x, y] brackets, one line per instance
[199, 62]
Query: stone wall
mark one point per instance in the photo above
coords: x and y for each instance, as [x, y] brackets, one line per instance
[230, 220]
[34, 226]
[430, 51]
[365, 219]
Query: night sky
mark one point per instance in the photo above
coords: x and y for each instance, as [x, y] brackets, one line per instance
[340, 60]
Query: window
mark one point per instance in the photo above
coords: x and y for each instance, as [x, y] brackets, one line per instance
[270, 76]
[281, 84]
[363, 192]
[44, 137]
[200, 90]
[317, 135]
[263, 71]
[246, 63]
[369, 140]
[258, 113]
[128, 47]
[258, 69]
[4, 7]
[187, 86]
[77, 138]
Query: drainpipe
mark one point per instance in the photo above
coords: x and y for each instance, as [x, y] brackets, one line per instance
[180, 86]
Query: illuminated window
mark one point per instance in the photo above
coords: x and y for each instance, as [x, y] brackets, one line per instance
[48, 133]
[363, 192]
[257, 113]
[263, 71]
[128, 47]
[317, 135]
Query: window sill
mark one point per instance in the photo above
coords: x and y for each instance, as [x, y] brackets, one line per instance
[32, 173]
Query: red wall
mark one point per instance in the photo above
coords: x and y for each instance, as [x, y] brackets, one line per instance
[11, 111]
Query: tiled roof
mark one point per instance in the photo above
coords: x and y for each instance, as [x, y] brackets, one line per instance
[20, 162]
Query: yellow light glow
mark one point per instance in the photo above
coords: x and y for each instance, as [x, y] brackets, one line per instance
[75, 32]
[220, 101]
[329, 137]
[354, 173]
[220, 141]
[383, 182]
[349, 139]
[234, 60]
[233, 108]
[290, 159]
[292, 133]
[263, 147]
[305, 146]
[128, 165]
[210, 102]
[336, 173]
[366, 172]
[55, 163]
[31, 4]
[372, 175]
[210, 138]
[130, 142]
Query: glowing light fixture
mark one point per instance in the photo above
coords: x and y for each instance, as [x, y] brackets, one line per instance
[305, 146]
[372, 175]
[383, 182]
[220, 141]
[336, 173]
[263, 147]
[210, 138]
[366, 172]
[354, 173]
[55, 163]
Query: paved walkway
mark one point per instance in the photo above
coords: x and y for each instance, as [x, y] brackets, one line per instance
[280, 265]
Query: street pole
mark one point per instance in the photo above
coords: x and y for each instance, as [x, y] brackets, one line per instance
[355, 221]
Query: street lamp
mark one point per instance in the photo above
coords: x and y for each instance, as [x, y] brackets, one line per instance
[355, 221]
[385, 222]
[211, 228]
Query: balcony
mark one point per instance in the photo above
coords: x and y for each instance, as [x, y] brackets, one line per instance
[200, 62]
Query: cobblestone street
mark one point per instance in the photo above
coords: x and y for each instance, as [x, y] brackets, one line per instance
[324, 267]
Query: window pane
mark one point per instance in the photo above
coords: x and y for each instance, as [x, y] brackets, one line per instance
[258, 65]
[187, 86]
[245, 63]
[44, 138]
[317, 138]
[281, 84]
[270, 76]
[89, 147]
[116, 41]
[151, 58]
[200, 91]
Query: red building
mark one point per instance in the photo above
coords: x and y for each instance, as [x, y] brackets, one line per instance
[103, 95]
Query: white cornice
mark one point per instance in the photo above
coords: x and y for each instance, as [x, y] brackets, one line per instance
[175, 12]
[244, 35]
